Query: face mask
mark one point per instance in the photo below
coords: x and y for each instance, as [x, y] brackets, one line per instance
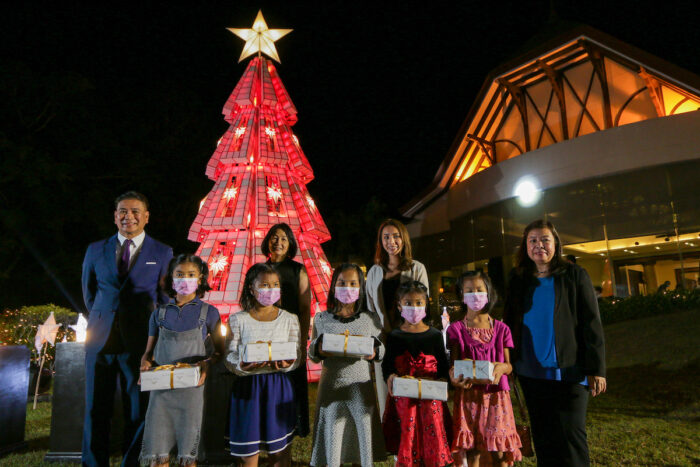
[185, 285]
[267, 297]
[347, 294]
[413, 314]
[476, 301]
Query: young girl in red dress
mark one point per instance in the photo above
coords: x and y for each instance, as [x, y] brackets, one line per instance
[417, 431]
[483, 415]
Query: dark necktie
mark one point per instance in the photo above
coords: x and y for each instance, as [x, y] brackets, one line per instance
[124, 259]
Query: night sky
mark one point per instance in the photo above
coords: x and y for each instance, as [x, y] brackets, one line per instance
[99, 98]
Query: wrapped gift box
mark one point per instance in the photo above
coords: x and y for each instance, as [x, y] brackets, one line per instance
[269, 352]
[474, 369]
[170, 377]
[347, 345]
[418, 388]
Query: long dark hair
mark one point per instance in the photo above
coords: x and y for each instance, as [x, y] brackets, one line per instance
[381, 257]
[493, 296]
[291, 251]
[181, 259]
[332, 304]
[247, 300]
[525, 265]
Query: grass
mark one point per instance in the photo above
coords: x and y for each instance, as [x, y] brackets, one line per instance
[649, 416]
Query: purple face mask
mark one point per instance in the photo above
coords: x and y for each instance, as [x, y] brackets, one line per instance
[267, 297]
[413, 314]
[476, 301]
[347, 295]
[185, 285]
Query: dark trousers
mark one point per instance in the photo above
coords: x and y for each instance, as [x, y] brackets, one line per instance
[101, 372]
[557, 412]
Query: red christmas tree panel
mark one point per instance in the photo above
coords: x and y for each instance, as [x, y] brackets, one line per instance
[317, 267]
[243, 94]
[284, 102]
[236, 144]
[272, 150]
[311, 221]
[274, 199]
[297, 159]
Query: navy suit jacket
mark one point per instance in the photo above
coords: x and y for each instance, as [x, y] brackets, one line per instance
[131, 300]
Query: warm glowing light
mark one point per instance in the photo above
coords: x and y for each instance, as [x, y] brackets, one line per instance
[80, 328]
[219, 142]
[201, 203]
[230, 193]
[223, 330]
[46, 333]
[311, 202]
[240, 131]
[326, 267]
[218, 264]
[296, 140]
[269, 131]
[259, 38]
[274, 193]
[526, 192]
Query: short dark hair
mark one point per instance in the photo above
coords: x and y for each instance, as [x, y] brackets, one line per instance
[181, 259]
[525, 265]
[493, 296]
[291, 252]
[247, 300]
[411, 287]
[131, 195]
[332, 302]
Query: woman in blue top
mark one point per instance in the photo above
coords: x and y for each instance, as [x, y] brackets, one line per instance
[559, 350]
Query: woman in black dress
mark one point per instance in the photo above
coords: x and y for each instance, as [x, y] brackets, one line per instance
[280, 247]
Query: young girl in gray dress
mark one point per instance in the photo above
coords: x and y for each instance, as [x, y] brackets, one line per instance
[347, 426]
[176, 334]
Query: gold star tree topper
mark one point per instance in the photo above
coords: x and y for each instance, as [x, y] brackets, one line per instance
[260, 38]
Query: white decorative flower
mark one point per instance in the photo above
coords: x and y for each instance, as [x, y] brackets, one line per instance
[218, 264]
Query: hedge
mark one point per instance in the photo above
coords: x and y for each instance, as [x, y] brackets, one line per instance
[614, 310]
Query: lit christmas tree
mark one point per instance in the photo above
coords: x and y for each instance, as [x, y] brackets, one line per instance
[260, 175]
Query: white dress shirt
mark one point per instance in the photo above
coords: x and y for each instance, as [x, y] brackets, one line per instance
[134, 247]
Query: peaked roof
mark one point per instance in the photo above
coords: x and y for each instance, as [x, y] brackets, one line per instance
[502, 92]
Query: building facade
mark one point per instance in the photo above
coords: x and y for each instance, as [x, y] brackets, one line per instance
[590, 133]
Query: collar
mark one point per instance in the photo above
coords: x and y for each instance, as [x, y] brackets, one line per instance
[138, 240]
[349, 319]
[195, 301]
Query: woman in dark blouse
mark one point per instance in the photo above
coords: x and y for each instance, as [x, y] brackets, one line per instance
[280, 246]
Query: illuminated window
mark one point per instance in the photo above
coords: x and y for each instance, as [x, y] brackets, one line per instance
[273, 192]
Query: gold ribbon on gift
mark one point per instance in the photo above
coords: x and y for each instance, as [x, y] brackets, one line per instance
[420, 385]
[172, 370]
[345, 346]
[473, 368]
[269, 349]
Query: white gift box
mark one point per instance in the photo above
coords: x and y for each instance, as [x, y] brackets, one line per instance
[170, 377]
[348, 345]
[418, 388]
[474, 369]
[268, 352]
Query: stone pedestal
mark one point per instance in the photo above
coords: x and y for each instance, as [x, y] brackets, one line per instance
[14, 385]
[68, 406]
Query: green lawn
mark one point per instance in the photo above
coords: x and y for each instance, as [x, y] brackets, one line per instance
[650, 415]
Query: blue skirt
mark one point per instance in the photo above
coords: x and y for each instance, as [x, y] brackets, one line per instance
[263, 414]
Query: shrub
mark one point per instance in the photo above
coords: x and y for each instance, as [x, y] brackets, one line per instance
[18, 327]
[613, 309]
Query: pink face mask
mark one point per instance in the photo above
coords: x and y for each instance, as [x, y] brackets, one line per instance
[347, 295]
[267, 297]
[476, 301]
[413, 314]
[185, 285]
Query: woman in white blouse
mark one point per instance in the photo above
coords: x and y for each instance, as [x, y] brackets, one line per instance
[393, 265]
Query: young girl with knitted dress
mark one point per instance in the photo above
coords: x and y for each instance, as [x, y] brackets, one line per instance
[483, 419]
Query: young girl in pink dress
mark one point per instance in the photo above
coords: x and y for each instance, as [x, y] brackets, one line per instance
[483, 416]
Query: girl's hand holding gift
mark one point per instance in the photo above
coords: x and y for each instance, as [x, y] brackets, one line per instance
[500, 369]
[459, 382]
[146, 363]
[252, 365]
[281, 364]
[370, 357]
[390, 384]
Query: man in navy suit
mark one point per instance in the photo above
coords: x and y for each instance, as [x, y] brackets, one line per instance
[121, 277]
